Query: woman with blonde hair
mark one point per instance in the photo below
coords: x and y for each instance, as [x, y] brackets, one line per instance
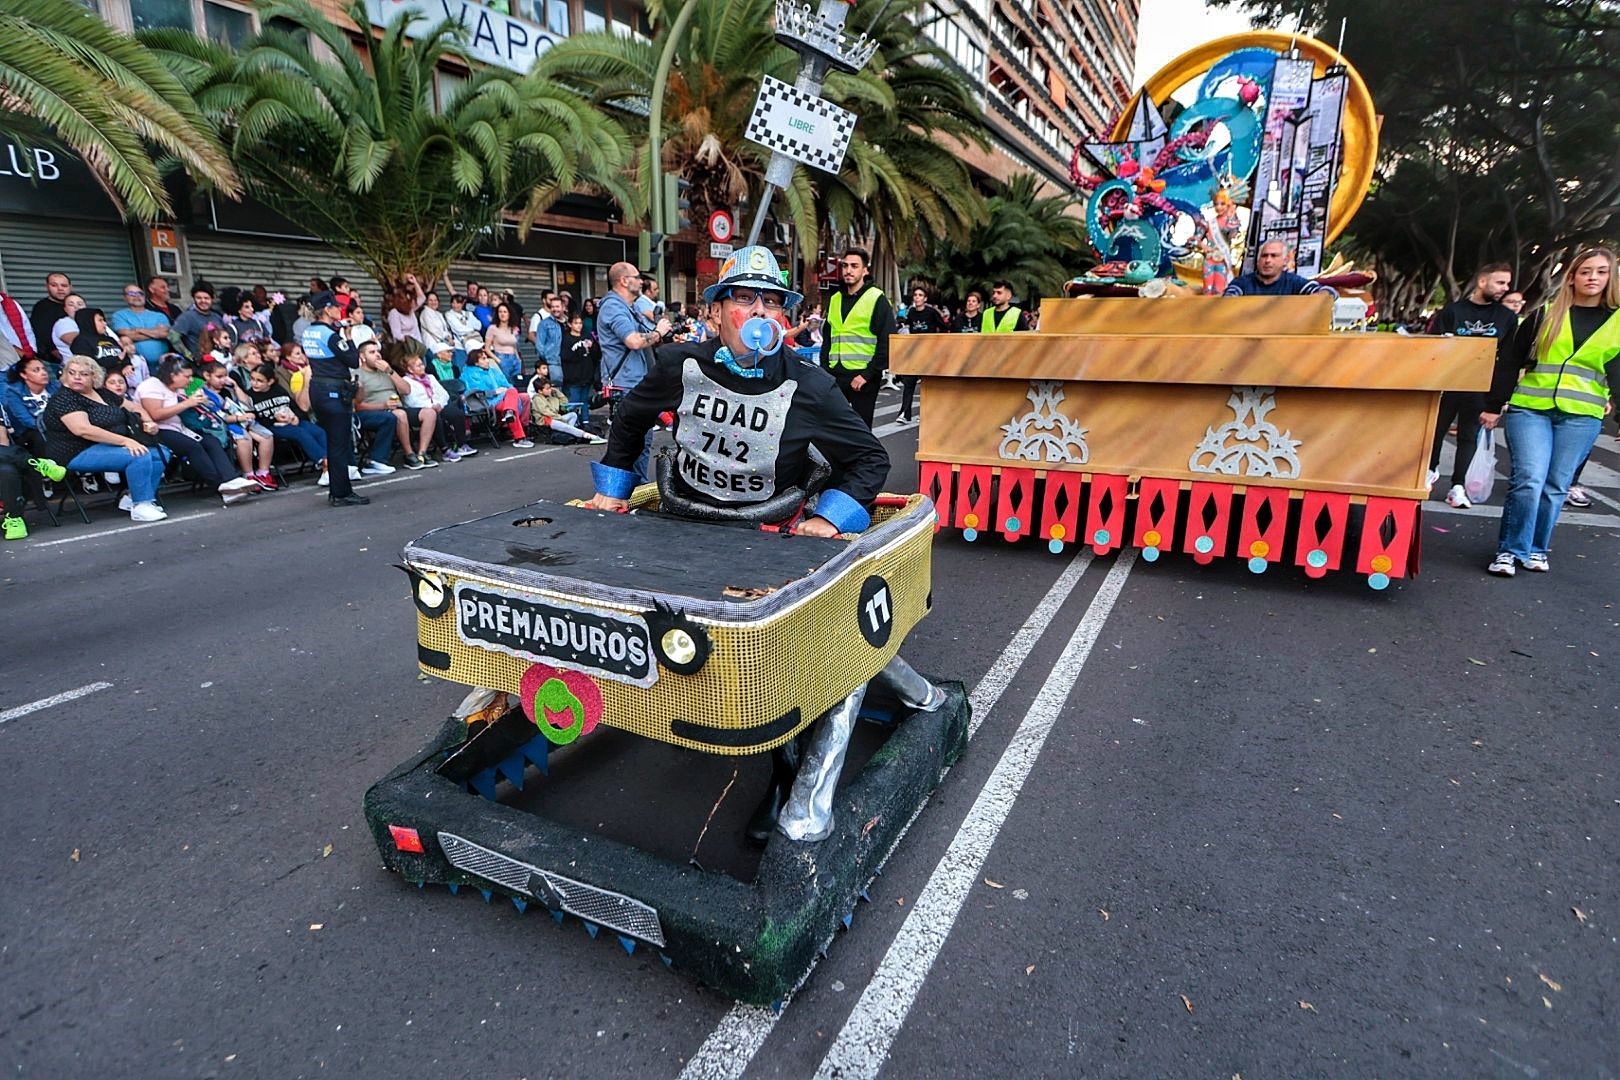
[1552, 393]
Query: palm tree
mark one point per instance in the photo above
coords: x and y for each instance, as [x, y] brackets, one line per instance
[68, 78]
[895, 178]
[1028, 240]
[355, 152]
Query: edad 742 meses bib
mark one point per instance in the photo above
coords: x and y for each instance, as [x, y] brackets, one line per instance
[728, 441]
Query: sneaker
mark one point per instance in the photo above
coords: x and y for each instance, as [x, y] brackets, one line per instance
[125, 503]
[265, 480]
[523, 444]
[1434, 478]
[1458, 497]
[90, 484]
[47, 468]
[239, 485]
[1502, 565]
[450, 456]
[428, 461]
[13, 528]
[466, 449]
[112, 478]
[375, 468]
[903, 419]
[354, 473]
[596, 440]
[506, 416]
[414, 462]
[233, 497]
[1538, 563]
[1578, 497]
[148, 511]
[347, 500]
[325, 480]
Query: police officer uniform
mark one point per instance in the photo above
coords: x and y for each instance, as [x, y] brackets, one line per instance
[332, 361]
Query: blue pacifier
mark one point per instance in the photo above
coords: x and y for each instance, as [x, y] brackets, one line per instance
[761, 335]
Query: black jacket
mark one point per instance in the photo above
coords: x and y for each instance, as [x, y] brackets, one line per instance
[817, 414]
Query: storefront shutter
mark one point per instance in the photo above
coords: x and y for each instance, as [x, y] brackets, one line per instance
[99, 258]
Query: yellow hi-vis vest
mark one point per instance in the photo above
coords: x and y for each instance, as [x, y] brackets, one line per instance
[854, 341]
[1005, 324]
[1570, 379]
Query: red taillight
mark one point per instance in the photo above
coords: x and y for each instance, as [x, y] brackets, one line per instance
[406, 839]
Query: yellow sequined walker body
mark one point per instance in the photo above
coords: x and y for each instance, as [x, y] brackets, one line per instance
[723, 670]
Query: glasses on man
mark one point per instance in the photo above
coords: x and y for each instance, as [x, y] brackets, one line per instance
[747, 297]
[133, 294]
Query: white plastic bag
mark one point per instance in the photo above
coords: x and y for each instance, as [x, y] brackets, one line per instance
[1482, 470]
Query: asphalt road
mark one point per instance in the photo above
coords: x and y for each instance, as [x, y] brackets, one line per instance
[1229, 824]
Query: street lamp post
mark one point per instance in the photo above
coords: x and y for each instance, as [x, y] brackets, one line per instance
[655, 127]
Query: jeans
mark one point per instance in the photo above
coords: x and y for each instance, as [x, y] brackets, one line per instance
[141, 471]
[511, 366]
[382, 422]
[1463, 406]
[1546, 446]
[309, 438]
[205, 456]
[579, 396]
[329, 402]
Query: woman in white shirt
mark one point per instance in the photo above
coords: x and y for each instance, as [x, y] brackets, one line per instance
[465, 329]
[428, 405]
[65, 329]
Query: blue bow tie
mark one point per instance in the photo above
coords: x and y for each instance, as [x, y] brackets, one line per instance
[723, 355]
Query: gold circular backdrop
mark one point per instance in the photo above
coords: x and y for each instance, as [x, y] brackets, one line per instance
[1359, 133]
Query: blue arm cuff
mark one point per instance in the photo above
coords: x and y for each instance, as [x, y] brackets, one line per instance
[844, 512]
[614, 483]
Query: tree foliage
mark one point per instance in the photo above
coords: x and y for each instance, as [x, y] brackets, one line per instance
[1500, 138]
[897, 180]
[67, 78]
[354, 150]
[1027, 239]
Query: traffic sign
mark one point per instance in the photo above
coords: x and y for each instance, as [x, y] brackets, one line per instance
[801, 126]
[721, 228]
[720, 251]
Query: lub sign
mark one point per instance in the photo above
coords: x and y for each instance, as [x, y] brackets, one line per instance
[494, 38]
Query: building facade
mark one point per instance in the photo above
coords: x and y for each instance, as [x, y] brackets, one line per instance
[1049, 72]
[54, 216]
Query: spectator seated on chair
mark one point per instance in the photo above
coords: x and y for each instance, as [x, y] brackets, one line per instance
[378, 409]
[428, 404]
[18, 470]
[555, 412]
[292, 373]
[277, 410]
[247, 436]
[88, 435]
[483, 375]
[160, 397]
[27, 390]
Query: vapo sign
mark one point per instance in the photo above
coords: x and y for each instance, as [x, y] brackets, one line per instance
[503, 40]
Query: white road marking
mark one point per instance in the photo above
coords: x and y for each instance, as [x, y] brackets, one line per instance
[122, 529]
[863, 1045]
[730, 1047]
[54, 699]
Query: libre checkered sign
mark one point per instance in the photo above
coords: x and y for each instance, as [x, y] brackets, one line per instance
[801, 126]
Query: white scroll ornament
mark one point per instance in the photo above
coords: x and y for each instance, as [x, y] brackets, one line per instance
[1044, 433]
[1259, 448]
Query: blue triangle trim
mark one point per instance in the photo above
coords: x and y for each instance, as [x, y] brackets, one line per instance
[454, 888]
[628, 944]
[668, 960]
[520, 903]
[590, 928]
[488, 895]
[559, 916]
[848, 920]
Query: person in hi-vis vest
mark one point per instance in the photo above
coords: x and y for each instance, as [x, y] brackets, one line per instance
[1551, 395]
[855, 341]
[1001, 317]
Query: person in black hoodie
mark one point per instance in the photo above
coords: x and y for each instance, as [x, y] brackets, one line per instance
[1479, 314]
[581, 360]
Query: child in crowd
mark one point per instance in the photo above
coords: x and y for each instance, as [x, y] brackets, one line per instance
[483, 375]
[554, 411]
[241, 425]
[276, 409]
[581, 362]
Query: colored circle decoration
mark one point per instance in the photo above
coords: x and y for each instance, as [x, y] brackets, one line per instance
[1013, 524]
[1382, 563]
[1150, 553]
[1151, 538]
[1360, 130]
[1378, 581]
[563, 704]
[1204, 545]
[1100, 537]
[1058, 532]
[971, 520]
[1317, 558]
[1260, 549]
[1257, 565]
